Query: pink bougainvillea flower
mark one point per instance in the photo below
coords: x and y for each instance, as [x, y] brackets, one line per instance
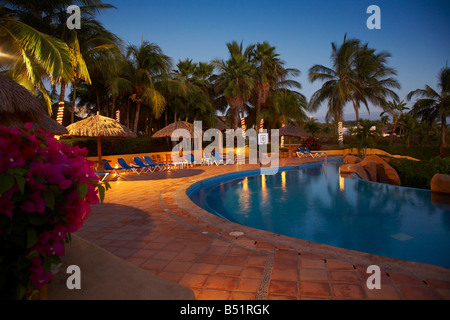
[35, 203]
[6, 204]
[38, 276]
[51, 176]
[54, 175]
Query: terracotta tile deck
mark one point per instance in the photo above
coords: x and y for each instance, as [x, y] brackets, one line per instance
[148, 221]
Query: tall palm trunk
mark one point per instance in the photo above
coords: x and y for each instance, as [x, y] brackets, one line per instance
[443, 127]
[236, 104]
[74, 97]
[393, 131]
[340, 132]
[60, 115]
[263, 92]
[136, 117]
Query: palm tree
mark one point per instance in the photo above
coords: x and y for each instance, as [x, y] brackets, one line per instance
[268, 69]
[33, 55]
[197, 103]
[49, 20]
[434, 105]
[359, 74]
[287, 107]
[395, 110]
[374, 79]
[96, 44]
[408, 125]
[365, 136]
[340, 83]
[235, 80]
[312, 126]
[270, 74]
[146, 66]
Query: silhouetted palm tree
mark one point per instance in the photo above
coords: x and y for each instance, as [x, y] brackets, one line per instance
[146, 65]
[395, 110]
[358, 74]
[434, 105]
[235, 80]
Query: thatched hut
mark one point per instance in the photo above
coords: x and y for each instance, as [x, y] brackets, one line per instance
[18, 106]
[98, 126]
[290, 130]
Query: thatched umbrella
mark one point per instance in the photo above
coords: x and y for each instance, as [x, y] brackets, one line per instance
[99, 127]
[292, 131]
[169, 129]
[18, 106]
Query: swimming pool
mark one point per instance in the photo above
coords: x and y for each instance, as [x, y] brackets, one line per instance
[314, 203]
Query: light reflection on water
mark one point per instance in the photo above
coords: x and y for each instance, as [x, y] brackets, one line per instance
[350, 213]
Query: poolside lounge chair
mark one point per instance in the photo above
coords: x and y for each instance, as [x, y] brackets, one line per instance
[102, 175]
[302, 154]
[138, 161]
[136, 169]
[160, 166]
[209, 160]
[317, 154]
[108, 167]
[219, 159]
[192, 161]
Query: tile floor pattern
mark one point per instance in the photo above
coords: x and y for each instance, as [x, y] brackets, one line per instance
[141, 222]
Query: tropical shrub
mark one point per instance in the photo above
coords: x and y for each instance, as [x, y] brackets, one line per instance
[46, 190]
[418, 174]
[312, 143]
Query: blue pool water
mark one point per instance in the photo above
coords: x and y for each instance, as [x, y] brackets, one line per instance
[313, 203]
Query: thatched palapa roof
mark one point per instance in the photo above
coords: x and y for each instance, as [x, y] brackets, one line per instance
[18, 106]
[99, 127]
[169, 129]
[292, 131]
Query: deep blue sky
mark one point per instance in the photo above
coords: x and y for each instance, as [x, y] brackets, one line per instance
[416, 33]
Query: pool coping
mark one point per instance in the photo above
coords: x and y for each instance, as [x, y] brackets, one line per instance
[423, 270]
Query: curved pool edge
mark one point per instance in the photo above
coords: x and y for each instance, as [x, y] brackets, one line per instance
[180, 195]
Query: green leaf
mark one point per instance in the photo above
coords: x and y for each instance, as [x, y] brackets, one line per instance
[101, 193]
[19, 171]
[31, 237]
[6, 182]
[82, 190]
[38, 219]
[49, 198]
[20, 182]
[32, 254]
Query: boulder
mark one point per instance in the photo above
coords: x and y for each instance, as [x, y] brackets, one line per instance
[440, 183]
[354, 168]
[371, 169]
[385, 173]
[350, 159]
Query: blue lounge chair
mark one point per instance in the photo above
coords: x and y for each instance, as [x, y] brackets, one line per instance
[108, 167]
[136, 169]
[102, 175]
[192, 161]
[219, 159]
[160, 166]
[149, 167]
[317, 154]
[301, 154]
[209, 160]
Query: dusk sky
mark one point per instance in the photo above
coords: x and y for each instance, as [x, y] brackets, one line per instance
[415, 33]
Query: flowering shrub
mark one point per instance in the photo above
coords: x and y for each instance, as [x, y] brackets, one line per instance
[46, 190]
[312, 143]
